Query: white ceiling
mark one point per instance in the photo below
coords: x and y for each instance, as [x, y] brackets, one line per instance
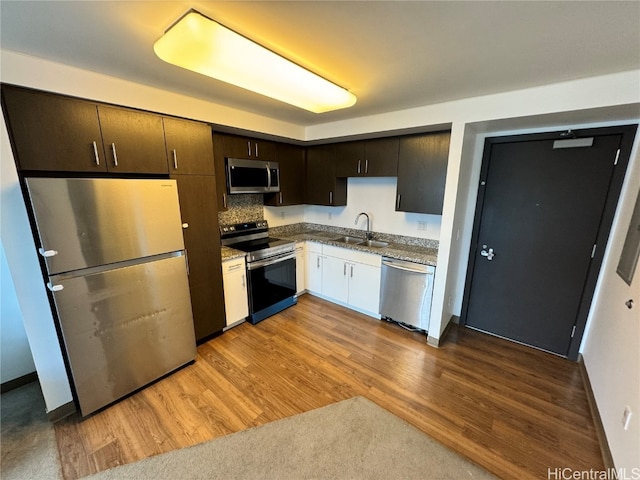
[392, 55]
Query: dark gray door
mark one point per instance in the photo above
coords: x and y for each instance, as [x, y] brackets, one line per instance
[540, 210]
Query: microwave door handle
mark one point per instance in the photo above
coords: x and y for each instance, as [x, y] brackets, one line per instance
[268, 176]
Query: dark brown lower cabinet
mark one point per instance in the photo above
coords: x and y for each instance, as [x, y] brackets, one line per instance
[202, 243]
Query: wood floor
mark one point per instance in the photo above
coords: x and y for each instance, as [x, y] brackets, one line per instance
[514, 410]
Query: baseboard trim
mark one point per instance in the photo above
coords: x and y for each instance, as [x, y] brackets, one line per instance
[605, 451]
[436, 342]
[61, 412]
[19, 382]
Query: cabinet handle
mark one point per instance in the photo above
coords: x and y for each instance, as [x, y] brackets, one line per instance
[398, 202]
[359, 161]
[224, 200]
[185, 225]
[249, 147]
[330, 198]
[366, 166]
[318, 262]
[280, 198]
[115, 155]
[257, 153]
[175, 159]
[344, 270]
[244, 284]
[95, 153]
[351, 270]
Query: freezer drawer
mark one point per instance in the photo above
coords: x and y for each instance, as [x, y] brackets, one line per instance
[124, 327]
[85, 222]
[406, 290]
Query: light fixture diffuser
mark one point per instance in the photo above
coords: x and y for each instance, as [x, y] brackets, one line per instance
[202, 45]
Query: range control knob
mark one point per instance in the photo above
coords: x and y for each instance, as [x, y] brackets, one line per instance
[225, 229]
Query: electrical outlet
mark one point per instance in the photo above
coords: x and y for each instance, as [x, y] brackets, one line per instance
[422, 226]
[626, 417]
[281, 214]
[330, 215]
[449, 301]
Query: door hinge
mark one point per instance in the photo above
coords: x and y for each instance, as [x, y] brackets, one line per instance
[573, 331]
[615, 162]
[593, 250]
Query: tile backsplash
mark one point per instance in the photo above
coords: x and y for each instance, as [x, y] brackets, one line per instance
[242, 208]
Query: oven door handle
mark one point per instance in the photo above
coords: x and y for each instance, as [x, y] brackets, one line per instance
[271, 260]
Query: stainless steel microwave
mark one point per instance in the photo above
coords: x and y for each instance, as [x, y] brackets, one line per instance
[252, 176]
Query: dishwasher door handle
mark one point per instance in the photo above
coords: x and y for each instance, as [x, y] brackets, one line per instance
[402, 267]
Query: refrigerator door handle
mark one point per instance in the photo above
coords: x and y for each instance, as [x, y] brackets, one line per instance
[54, 288]
[47, 253]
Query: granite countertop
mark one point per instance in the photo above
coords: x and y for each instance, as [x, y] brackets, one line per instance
[402, 248]
[229, 253]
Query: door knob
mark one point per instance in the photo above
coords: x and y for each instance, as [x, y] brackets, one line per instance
[487, 253]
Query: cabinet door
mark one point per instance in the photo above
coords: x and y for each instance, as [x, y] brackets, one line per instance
[364, 287]
[300, 267]
[381, 157]
[221, 174]
[313, 271]
[202, 243]
[251, 148]
[53, 133]
[134, 141]
[350, 159]
[422, 170]
[292, 168]
[335, 279]
[235, 291]
[189, 147]
[322, 186]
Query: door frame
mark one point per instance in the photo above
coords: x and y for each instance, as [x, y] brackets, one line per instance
[628, 133]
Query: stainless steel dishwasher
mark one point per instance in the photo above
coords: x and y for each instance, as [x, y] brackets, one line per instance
[405, 293]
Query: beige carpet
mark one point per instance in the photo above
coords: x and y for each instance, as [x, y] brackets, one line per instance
[352, 439]
[28, 442]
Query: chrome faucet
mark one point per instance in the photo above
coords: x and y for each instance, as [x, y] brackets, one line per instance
[369, 234]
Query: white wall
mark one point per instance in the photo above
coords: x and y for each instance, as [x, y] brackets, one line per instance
[376, 197]
[17, 240]
[15, 354]
[611, 349]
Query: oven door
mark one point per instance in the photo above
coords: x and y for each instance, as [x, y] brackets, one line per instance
[272, 285]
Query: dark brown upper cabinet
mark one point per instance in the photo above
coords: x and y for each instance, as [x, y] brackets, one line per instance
[250, 148]
[221, 174]
[189, 147]
[52, 132]
[291, 161]
[322, 187]
[422, 171]
[133, 140]
[368, 158]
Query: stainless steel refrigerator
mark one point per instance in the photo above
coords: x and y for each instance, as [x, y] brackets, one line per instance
[116, 267]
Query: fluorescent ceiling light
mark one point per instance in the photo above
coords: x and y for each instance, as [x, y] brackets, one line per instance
[198, 43]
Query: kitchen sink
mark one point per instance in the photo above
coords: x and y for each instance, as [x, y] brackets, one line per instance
[374, 243]
[348, 239]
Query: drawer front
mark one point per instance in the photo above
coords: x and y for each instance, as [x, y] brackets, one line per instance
[357, 256]
[234, 265]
